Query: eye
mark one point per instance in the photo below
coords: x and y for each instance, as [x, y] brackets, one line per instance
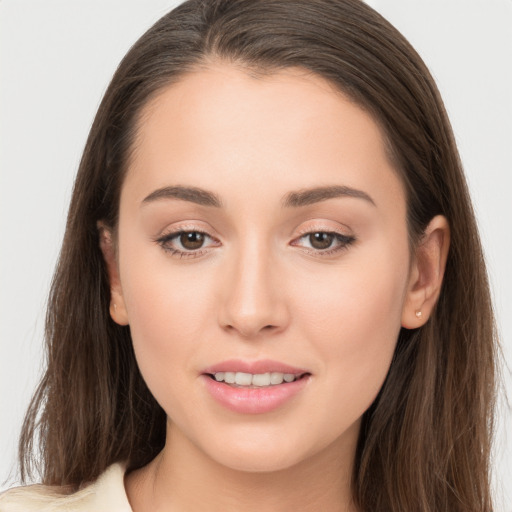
[186, 243]
[323, 242]
[191, 240]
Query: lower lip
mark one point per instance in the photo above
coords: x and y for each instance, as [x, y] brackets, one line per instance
[254, 400]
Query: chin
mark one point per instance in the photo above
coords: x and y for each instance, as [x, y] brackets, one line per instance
[258, 461]
[260, 452]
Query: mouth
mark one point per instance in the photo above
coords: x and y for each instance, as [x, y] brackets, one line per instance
[256, 380]
[255, 387]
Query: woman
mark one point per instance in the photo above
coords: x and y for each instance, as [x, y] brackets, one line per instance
[271, 281]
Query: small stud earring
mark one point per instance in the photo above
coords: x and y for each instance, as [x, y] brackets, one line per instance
[418, 314]
[115, 308]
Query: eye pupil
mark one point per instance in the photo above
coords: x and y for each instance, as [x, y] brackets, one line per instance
[192, 240]
[321, 240]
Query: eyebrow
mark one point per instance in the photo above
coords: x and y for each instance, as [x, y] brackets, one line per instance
[315, 195]
[295, 199]
[191, 194]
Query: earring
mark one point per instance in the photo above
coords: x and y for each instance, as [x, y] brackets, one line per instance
[418, 314]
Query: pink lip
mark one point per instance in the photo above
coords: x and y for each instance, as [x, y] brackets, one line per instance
[262, 366]
[254, 400]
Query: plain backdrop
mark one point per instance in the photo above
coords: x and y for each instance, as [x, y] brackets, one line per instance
[57, 58]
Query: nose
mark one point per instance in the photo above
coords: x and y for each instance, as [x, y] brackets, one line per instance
[253, 298]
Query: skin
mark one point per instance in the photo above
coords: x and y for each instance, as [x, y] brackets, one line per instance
[259, 288]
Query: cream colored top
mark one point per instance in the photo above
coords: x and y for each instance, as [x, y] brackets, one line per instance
[106, 494]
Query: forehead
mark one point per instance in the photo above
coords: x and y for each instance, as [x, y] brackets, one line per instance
[221, 124]
[226, 97]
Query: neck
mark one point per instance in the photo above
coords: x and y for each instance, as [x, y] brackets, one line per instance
[183, 478]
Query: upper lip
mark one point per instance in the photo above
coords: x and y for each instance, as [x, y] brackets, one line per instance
[254, 367]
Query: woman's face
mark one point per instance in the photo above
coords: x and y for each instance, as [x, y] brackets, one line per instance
[262, 232]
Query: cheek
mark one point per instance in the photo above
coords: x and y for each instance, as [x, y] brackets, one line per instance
[362, 297]
[354, 317]
[164, 306]
[168, 311]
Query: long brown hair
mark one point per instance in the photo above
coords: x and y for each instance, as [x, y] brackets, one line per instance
[424, 443]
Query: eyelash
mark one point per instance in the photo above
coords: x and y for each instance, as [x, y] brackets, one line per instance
[164, 240]
[343, 241]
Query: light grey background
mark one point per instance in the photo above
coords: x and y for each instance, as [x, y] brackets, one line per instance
[57, 58]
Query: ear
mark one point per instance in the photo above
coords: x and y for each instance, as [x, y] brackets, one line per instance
[117, 305]
[426, 274]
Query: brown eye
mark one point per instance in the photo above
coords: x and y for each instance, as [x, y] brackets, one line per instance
[192, 240]
[324, 243]
[321, 240]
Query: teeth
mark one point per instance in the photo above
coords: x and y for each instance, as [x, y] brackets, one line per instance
[243, 379]
[276, 378]
[261, 379]
[229, 377]
[256, 380]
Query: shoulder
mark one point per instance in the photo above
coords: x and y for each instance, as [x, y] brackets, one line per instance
[106, 494]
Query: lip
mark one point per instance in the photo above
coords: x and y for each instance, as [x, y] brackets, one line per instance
[261, 366]
[254, 400]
